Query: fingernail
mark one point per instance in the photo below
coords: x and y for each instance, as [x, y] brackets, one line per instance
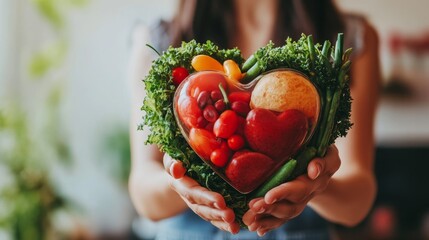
[216, 205]
[261, 234]
[261, 210]
[319, 170]
[252, 228]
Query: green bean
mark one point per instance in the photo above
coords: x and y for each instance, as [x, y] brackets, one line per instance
[248, 63]
[278, 178]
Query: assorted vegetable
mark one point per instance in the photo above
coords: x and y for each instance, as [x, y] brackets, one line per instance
[215, 117]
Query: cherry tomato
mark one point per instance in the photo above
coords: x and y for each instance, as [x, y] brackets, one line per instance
[220, 157]
[241, 108]
[189, 112]
[203, 142]
[239, 96]
[205, 62]
[236, 142]
[205, 81]
[232, 70]
[226, 125]
[179, 74]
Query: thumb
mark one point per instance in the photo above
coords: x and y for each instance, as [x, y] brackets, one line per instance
[173, 167]
[315, 168]
[177, 170]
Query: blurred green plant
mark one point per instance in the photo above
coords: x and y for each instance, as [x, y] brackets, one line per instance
[52, 56]
[53, 10]
[47, 59]
[30, 149]
[116, 148]
[28, 199]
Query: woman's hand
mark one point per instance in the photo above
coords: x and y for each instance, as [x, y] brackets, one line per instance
[208, 205]
[288, 200]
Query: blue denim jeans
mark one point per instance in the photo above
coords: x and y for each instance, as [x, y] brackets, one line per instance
[189, 226]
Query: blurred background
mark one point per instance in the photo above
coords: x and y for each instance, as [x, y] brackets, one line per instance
[64, 118]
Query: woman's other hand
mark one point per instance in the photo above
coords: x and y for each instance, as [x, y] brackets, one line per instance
[289, 199]
[208, 205]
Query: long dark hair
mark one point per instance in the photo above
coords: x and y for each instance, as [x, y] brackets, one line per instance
[213, 20]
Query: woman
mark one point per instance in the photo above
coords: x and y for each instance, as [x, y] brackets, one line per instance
[300, 208]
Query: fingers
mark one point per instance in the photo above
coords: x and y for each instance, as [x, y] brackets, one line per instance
[282, 209]
[333, 161]
[327, 165]
[233, 227]
[315, 168]
[263, 217]
[167, 161]
[212, 214]
[190, 190]
[296, 191]
[173, 167]
[264, 224]
[208, 205]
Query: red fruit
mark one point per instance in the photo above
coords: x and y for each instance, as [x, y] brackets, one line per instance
[241, 108]
[226, 124]
[248, 170]
[210, 113]
[203, 99]
[189, 112]
[220, 105]
[203, 142]
[239, 96]
[216, 95]
[179, 74]
[220, 157]
[205, 81]
[236, 142]
[279, 137]
[238, 153]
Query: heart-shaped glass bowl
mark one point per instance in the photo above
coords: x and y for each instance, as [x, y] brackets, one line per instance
[245, 132]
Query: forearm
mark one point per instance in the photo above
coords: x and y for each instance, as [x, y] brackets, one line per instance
[152, 195]
[347, 198]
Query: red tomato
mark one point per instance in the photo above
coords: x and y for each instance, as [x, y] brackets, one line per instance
[179, 74]
[226, 124]
[239, 96]
[205, 81]
[236, 142]
[203, 142]
[220, 157]
[189, 112]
